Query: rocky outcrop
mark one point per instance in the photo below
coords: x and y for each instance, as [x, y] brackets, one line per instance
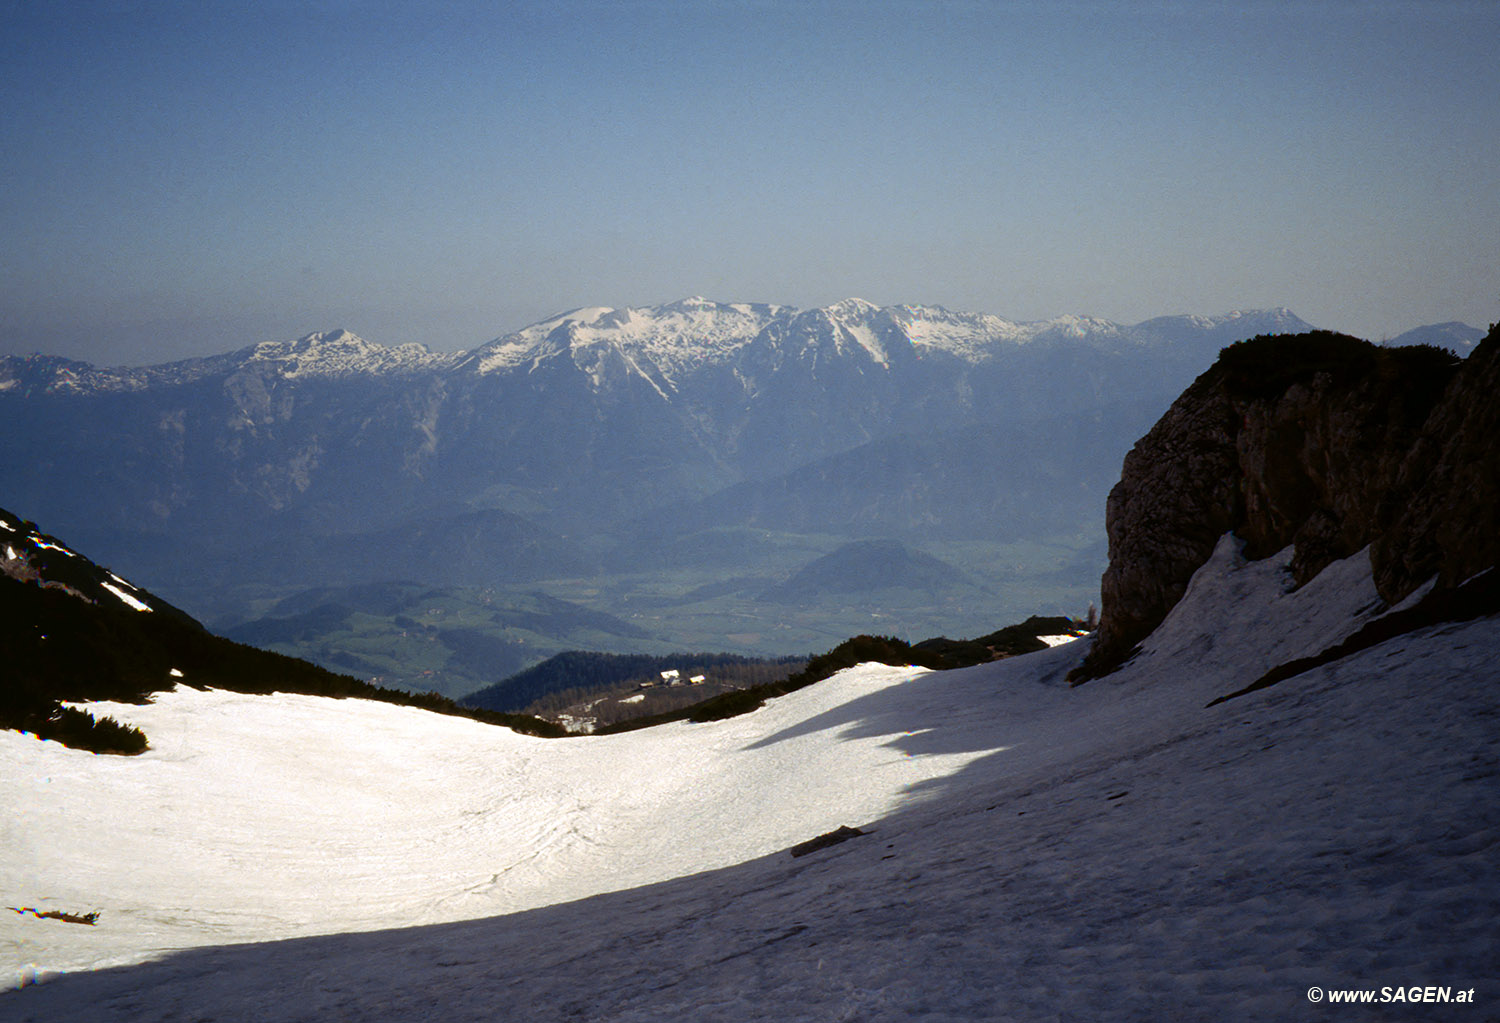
[1319, 441]
[1445, 514]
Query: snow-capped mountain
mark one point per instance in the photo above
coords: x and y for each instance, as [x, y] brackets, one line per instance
[669, 344]
[338, 353]
[1459, 338]
[678, 340]
[322, 354]
[684, 398]
[672, 342]
[295, 463]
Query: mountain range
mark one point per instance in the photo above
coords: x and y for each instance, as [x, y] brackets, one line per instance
[619, 460]
[595, 415]
[1268, 781]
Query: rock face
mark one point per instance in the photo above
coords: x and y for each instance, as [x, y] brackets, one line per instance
[1447, 518]
[1317, 440]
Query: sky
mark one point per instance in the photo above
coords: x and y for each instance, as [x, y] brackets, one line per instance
[185, 179]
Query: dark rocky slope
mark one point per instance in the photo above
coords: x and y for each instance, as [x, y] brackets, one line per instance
[73, 631]
[1318, 440]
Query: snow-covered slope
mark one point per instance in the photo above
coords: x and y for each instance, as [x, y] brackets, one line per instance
[321, 354]
[29, 555]
[676, 337]
[267, 817]
[687, 336]
[1113, 851]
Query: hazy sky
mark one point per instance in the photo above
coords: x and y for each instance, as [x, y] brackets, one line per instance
[184, 178]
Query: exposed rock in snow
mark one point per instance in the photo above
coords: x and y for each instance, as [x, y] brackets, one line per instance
[1320, 441]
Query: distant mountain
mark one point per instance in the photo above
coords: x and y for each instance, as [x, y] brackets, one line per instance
[591, 417]
[995, 480]
[859, 571]
[580, 444]
[1459, 338]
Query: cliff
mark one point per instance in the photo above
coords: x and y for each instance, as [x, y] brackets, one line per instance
[1318, 440]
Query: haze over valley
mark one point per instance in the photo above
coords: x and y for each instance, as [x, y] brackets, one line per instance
[696, 476]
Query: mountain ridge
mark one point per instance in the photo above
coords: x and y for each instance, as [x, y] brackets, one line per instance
[583, 439]
[696, 395]
[714, 329]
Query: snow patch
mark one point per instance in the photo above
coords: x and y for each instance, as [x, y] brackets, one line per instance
[126, 598]
[37, 541]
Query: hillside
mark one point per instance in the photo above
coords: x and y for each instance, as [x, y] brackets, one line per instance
[586, 673]
[1115, 850]
[74, 631]
[859, 571]
[449, 640]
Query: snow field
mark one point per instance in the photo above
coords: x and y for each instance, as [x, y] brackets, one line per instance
[255, 818]
[1116, 851]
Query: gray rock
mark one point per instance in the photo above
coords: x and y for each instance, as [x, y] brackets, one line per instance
[1320, 441]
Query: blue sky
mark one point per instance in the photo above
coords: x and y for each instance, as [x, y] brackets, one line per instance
[188, 178]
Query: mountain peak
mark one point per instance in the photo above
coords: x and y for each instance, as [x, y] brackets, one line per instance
[341, 352]
[584, 314]
[851, 307]
[1459, 338]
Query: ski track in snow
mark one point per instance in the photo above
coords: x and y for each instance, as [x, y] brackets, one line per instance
[1033, 852]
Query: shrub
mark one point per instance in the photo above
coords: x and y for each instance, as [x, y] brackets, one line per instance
[1266, 365]
[81, 730]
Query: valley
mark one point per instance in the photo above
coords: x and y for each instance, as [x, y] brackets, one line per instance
[454, 640]
[696, 475]
[749, 511]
